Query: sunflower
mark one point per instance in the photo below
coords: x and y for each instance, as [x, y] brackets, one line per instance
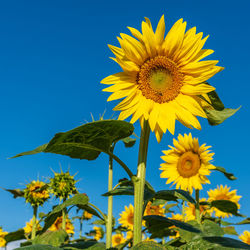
[154, 210]
[36, 193]
[117, 239]
[28, 227]
[178, 217]
[2, 238]
[245, 237]
[98, 233]
[87, 215]
[162, 78]
[57, 225]
[187, 164]
[190, 210]
[127, 217]
[223, 193]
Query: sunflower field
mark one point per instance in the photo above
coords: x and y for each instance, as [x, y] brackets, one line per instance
[164, 80]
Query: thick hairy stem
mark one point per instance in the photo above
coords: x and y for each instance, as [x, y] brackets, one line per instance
[33, 232]
[110, 204]
[139, 183]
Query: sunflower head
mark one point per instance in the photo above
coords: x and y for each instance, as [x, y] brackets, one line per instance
[98, 233]
[127, 217]
[187, 164]
[223, 193]
[154, 209]
[62, 185]
[36, 193]
[245, 237]
[57, 225]
[28, 227]
[162, 77]
[117, 239]
[190, 210]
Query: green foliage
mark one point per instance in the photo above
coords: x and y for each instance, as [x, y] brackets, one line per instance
[37, 150]
[13, 236]
[129, 142]
[229, 176]
[148, 245]
[38, 247]
[89, 210]
[16, 192]
[55, 239]
[226, 206]
[230, 230]
[85, 245]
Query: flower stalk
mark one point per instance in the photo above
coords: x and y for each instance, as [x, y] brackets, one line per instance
[110, 203]
[139, 182]
[33, 232]
[197, 206]
[64, 215]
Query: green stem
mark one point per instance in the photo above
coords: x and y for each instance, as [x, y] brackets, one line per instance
[183, 210]
[139, 183]
[197, 206]
[110, 204]
[33, 232]
[80, 231]
[103, 215]
[125, 167]
[64, 215]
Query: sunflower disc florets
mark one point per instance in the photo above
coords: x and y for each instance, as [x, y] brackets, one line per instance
[36, 193]
[63, 185]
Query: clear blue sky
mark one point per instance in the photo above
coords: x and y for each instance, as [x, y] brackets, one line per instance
[53, 55]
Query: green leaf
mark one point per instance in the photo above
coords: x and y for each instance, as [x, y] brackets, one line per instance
[227, 242]
[38, 247]
[13, 236]
[226, 206]
[229, 176]
[148, 245]
[37, 150]
[90, 210]
[86, 141]
[216, 117]
[78, 199]
[49, 220]
[230, 230]
[129, 142]
[120, 191]
[158, 202]
[159, 222]
[210, 228]
[215, 101]
[16, 192]
[173, 195]
[90, 244]
[55, 239]
[246, 221]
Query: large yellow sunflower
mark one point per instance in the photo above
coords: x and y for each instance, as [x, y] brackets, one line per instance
[187, 164]
[245, 237]
[127, 217]
[162, 76]
[223, 193]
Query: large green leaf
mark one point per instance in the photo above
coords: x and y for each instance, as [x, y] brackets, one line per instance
[226, 206]
[148, 246]
[86, 141]
[37, 150]
[90, 210]
[174, 195]
[16, 192]
[55, 239]
[229, 176]
[13, 236]
[38, 247]
[93, 245]
[226, 242]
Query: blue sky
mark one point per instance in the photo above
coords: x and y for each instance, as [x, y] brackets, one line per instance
[53, 55]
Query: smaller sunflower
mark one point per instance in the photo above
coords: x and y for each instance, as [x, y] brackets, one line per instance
[87, 215]
[245, 237]
[178, 217]
[127, 217]
[187, 164]
[117, 239]
[62, 185]
[36, 193]
[190, 210]
[98, 233]
[154, 210]
[57, 225]
[148, 239]
[223, 193]
[28, 227]
[2, 239]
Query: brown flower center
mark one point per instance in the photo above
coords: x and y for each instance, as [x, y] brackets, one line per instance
[160, 80]
[131, 219]
[188, 164]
